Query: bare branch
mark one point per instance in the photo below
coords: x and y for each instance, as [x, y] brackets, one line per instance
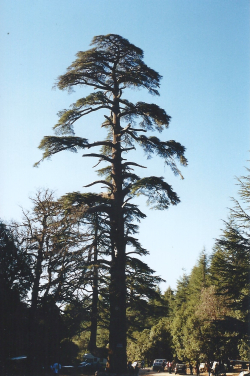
[101, 143]
[126, 128]
[99, 209]
[138, 130]
[127, 149]
[125, 202]
[101, 182]
[91, 109]
[132, 164]
[102, 157]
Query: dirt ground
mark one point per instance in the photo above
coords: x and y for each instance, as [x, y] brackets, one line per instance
[148, 371]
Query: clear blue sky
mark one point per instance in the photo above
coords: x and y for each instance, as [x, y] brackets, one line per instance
[201, 48]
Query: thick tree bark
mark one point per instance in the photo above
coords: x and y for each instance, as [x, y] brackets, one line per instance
[117, 291]
[117, 335]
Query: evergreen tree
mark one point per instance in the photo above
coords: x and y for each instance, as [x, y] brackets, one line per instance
[152, 343]
[110, 67]
[231, 273]
[144, 301]
[189, 330]
[179, 316]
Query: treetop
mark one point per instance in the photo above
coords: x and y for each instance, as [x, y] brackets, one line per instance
[113, 65]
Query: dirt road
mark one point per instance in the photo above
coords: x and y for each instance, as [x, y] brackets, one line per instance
[148, 371]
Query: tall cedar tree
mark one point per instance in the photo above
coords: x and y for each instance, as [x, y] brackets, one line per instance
[110, 67]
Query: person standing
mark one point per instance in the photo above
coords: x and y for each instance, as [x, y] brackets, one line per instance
[130, 368]
[208, 368]
[190, 368]
[216, 369]
[169, 367]
[163, 366]
[56, 368]
[197, 367]
[136, 370]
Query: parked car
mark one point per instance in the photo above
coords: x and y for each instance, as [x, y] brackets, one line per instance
[17, 365]
[67, 370]
[91, 364]
[159, 364]
[244, 373]
[88, 368]
[180, 368]
[221, 368]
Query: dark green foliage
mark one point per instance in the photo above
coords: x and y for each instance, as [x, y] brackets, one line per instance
[74, 315]
[211, 306]
[230, 266]
[157, 191]
[199, 277]
[15, 273]
[231, 273]
[68, 351]
[53, 145]
[15, 280]
[143, 299]
[95, 67]
[152, 343]
[50, 331]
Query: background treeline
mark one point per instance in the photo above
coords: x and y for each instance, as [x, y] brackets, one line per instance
[207, 316]
[54, 280]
